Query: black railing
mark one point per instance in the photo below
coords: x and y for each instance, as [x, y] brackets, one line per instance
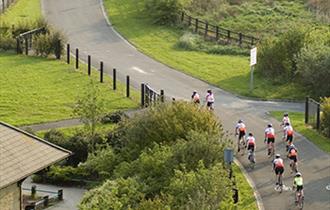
[24, 41]
[312, 113]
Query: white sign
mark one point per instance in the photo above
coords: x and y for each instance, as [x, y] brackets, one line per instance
[253, 56]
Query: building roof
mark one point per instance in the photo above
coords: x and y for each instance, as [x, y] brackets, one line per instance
[23, 154]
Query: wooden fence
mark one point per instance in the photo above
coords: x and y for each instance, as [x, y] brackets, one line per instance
[216, 33]
[4, 4]
[50, 198]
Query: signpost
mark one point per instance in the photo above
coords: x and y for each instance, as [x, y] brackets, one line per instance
[253, 61]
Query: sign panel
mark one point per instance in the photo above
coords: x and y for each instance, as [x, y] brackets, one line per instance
[253, 56]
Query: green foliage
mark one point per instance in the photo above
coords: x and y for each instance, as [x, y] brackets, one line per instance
[45, 44]
[325, 117]
[163, 11]
[114, 117]
[190, 41]
[113, 195]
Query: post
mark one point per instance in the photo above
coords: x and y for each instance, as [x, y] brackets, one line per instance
[127, 86]
[182, 17]
[26, 46]
[101, 72]
[189, 21]
[114, 79]
[60, 195]
[18, 46]
[46, 200]
[251, 78]
[89, 65]
[318, 121]
[217, 33]
[240, 39]
[196, 25]
[228, 34]
[306, 110]
[162, 96]
[206, 29]
[77, 58]
[252, 41]
[68, 53]
[33, 191]
[142, 95]
[58, 49]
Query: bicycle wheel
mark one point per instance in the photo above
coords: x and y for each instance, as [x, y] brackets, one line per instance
[301, 202]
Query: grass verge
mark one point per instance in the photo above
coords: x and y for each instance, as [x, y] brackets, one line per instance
[36, 90]
[297, 120]
[22, 11]
[231, 73]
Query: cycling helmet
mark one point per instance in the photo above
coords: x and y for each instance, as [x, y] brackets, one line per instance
[287, 124]
[298, 174]
[269, 125]
[285, 114]
[209, 91]
[250, 134]
[194, 91]
[240, 121]
[277, 156]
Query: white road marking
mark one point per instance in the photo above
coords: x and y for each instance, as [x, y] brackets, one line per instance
[138, 70]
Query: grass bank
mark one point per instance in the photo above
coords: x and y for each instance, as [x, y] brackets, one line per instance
[298, 122]
[231, 73]
[35, 90]
[22, 11]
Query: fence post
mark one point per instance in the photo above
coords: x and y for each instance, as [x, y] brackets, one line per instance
[196, 25]
[182, 17]
[114, 79]
[26, 46]
[46, 200]
[252, 41]
[228, 34]
[18, 46]
[33, 191]
[217, 33]
[240, 39]
[58, 49]
[89, 65]
[68, 53]
[60, 194]
[318, 117]
[101, 72]
[206, 28]
[142, 94]
[127, 86]
[189, 21]
[306, 110]
[77, 58]
[162, 95]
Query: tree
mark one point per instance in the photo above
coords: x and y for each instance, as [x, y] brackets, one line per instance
[89, 108]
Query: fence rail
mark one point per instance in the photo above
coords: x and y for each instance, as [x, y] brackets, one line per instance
[4, 4]
[216, 33]
[45, 201]
[24, 41]
[312, 113]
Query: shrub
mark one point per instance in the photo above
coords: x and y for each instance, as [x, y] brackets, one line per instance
[116, 194]
[325, 118]
[45, 44]
[228, 50]
[114, 117]
[7, 42]
[163, 11]
[189, 41]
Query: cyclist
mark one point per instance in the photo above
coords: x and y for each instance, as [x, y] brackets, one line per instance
[298, 184]
[209, 100]
[195, 97]
[269, 136]
[288, 134]
[292, 155]
[240, 130]
[285, 119]
[278, 167]
[251, 145]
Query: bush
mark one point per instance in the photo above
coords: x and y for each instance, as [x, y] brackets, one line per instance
[163, 12]
[7, 42]
[325, 117]
[45, 44]
[228, 50]
[189, 41]
[115, 117]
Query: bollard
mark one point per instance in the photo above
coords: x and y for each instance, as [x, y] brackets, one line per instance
[162, 95]
[33, 191]
[60, 194]
[142, 94]
[58, 49]
[127, 86]
[77, 58]
[318, 120]
[114, 79]
[46, 200]
[68, 53]
[306, 110]
[101, 72]
[89, 65]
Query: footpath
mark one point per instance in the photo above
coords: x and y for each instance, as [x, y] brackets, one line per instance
[84, 23]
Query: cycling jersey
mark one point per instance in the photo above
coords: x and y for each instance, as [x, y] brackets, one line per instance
[270, 133]
[195, 98]
[278, 163]
[298, 181]
[285, 120]
[251, 140]
[288, 130]
[210, 98]
[241, 127]
[292, 152]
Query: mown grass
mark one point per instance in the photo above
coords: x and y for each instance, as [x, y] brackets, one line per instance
[35, 90]
[298, 122]
[231, 73]
[22, 11]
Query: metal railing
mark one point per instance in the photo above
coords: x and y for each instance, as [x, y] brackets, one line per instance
[24, 41]
[312, 113]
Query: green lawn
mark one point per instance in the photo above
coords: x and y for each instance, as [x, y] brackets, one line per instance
[22, 11]
[231, 73]
[35, 90]
[298, 122]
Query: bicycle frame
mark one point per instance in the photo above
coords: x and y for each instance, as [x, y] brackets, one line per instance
[300, 198]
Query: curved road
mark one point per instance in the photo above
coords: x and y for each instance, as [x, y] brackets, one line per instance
[84, 23]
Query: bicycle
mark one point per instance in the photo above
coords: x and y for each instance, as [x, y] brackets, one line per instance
[251, 158]
[279, 186]
[299, 199]
[271, 150]
[240, 143]
[293, 166]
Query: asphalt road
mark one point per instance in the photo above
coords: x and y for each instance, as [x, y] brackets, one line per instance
[84, 24]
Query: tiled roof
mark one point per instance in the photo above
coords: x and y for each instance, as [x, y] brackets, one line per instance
[22, 154]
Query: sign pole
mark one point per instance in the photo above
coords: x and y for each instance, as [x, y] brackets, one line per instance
[253, 62]
[251, 79]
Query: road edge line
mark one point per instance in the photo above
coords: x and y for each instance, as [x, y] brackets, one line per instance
[252, 185]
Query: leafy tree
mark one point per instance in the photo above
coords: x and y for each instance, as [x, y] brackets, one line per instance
[325, 118]
[89, 108]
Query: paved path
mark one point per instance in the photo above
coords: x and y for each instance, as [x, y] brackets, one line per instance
[87, 29]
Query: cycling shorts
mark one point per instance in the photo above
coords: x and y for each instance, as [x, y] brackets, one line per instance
[294, 158]
[251, 147]
[300, 187]
[209, 104]
[241, 134]
[270, 140]
[289, 138]
[279, 170]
